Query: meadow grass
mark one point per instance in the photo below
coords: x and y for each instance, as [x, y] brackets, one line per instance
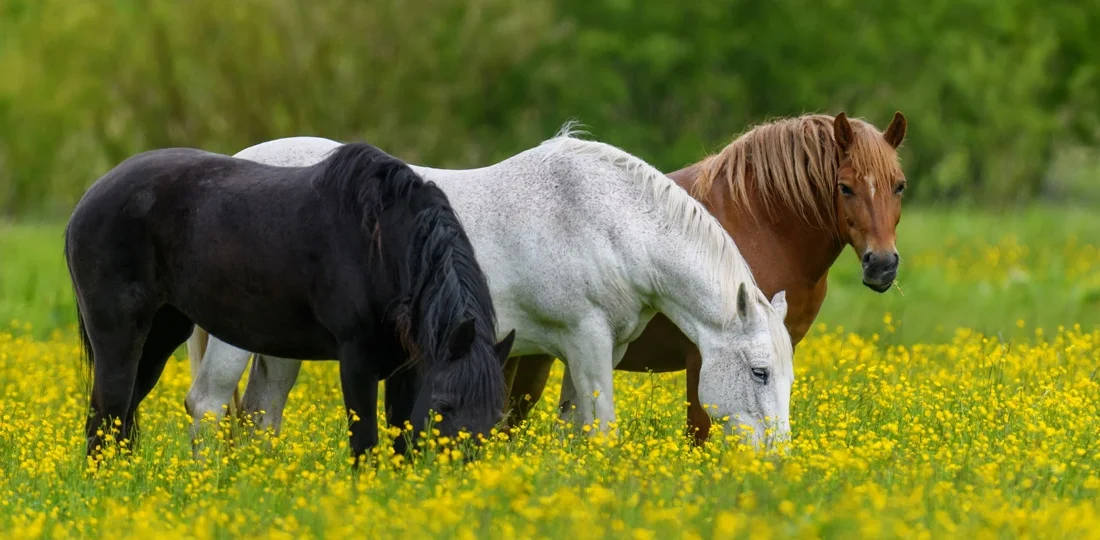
[966, 407]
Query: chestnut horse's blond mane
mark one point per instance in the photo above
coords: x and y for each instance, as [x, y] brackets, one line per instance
[793, 162]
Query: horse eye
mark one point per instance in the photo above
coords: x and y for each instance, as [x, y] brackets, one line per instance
[760, 374]
[899, 189]
[845, 190]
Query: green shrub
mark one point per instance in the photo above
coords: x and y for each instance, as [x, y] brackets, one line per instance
[993, 91]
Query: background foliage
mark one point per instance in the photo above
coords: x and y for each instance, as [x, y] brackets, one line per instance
[1003, 97]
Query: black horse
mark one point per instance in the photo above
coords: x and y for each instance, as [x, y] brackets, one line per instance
[356, 258]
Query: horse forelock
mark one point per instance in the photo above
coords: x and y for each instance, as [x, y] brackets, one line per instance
[792, 163]
[723, 260]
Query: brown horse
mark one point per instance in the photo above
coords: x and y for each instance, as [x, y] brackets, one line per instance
[792, 194]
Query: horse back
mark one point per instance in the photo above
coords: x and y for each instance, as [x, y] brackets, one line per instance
[214, 235]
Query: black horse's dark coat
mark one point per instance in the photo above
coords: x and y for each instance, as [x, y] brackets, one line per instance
[355, 258]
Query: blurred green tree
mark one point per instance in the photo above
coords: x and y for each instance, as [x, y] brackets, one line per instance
[997, 94]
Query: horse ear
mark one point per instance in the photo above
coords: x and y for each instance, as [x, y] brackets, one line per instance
[779, 302]
[842, 132]
[742, 302]
[462, 338]
[504, 348]
[896, 132]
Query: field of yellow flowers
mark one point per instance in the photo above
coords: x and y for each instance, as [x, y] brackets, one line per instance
[949, 432]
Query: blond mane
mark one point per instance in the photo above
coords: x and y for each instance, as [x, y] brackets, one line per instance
[793, 162]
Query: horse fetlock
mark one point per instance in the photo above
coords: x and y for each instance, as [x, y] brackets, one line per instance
[201, 409]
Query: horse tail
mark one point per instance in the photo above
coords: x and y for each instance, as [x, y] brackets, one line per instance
[85, 349]
[86, 353]
[196, 353]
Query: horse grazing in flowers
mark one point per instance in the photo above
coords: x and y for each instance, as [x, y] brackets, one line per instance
[355, 258]
[793, 194]
[582, 244]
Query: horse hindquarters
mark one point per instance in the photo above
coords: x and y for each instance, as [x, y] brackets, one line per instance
[130, 331]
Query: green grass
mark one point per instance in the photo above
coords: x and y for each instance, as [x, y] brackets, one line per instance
[34, 282]
[34, 285]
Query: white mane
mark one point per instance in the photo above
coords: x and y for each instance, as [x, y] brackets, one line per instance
[722, 258]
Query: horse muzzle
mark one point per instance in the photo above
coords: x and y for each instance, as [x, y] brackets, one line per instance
[880, 268]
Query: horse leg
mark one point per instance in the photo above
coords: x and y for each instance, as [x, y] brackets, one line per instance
[269, 383]
[402, 389]
[697, 418]
[589, 367]
[510, 367]
[529, 377]
[359, 382]
[219, 372]
[196, 351]
[169, 330]
[116, 336]
[196, 348]
[567, 401]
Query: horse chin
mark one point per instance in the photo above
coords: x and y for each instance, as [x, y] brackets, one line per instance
[879, 287]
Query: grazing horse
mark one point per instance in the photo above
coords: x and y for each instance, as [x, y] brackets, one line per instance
[354, 258]
[582, 244]
[793, 194]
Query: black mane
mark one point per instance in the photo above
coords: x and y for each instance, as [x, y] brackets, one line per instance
[442, 281]
[447, 284]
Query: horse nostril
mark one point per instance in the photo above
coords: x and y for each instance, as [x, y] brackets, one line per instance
[866, 258]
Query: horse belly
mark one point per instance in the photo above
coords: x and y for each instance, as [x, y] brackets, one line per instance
[275, 337]
[249, 289]
[660, 348]
[273, 324]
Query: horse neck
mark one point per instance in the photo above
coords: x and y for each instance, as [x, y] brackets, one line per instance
[783, 250]
[686, 291]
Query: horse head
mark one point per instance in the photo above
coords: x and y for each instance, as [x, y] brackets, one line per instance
[869, 188]
[747, 380]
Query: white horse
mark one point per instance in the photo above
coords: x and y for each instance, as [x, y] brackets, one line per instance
[582, 244]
